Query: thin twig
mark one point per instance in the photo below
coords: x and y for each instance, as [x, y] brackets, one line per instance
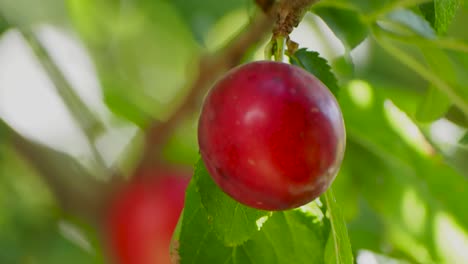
[86, 119]
[444, 43]
[420, 69]
[78, 109]
[289, 15]
[372, 17]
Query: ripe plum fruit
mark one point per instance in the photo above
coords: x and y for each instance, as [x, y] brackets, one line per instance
[271, 135]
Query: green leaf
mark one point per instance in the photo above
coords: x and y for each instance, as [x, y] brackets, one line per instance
[32, 226]
[464, 139]
[374, 129]
[61, 170]
[3, 25]
[142, 52]
[202, 15]
[454, 90]
[346, 24]
[344, 68]
[365, 230]
[381, 259]
[27, 13]
[318, 66]
[338, 249]
[440, 13]
[198, 242]
[413, 22]
[182, 147]
[440, 63]
[406, 187]
[456, 116]
[287, 237]
[3, 132]
[428, 11]
[232, 222]
[434, 105]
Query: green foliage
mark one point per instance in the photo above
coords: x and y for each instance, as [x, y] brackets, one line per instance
[126, 41]
[405, 190]
[464, 140]
[202, 15]
[296, 236]
[318, 66]
[440, 13]
[30, 220]
[3, 133]
[287, 237]
[441, 73]
[233, 222]
[441, 63]
[338, 248]
[3, 25]
[397, 195]
[182, 147]
[434, 105]
[413, 22]
[345, 23]
[27, 12]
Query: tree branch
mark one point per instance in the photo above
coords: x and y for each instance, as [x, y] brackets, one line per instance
[286, 14]
[79, 110]
[290, 13]
[265, 5]
[211, 67]
[86, 119]
[76, 190]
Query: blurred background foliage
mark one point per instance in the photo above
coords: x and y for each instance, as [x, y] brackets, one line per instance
[403, 184]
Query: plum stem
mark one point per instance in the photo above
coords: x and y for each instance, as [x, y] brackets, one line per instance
[279, 46]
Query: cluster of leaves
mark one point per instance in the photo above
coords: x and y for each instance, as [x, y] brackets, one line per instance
[397, 193]
[217, 229]
[32, 227]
